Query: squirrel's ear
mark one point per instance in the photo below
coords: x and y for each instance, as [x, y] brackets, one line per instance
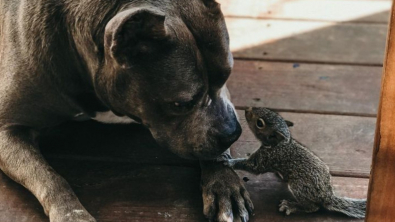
[289, 123]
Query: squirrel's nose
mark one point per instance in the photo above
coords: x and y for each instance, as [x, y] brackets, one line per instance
[248, 113]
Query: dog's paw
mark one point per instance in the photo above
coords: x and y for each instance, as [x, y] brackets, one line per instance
[225, 198]
[287, 207]
[76, 215]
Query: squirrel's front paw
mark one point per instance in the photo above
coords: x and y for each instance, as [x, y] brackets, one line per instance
[233, 162]
[287, 207]
[230, 163]
[240, 163]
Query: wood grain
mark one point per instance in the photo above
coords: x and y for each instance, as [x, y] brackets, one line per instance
[313, 10]
[304, 41]
[122, 192]
[342, 142]
[381, 197]
[307, 87]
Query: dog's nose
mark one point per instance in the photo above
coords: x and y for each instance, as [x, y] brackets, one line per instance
[228, 137]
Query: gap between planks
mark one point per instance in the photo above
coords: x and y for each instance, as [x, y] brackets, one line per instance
[315, 112]
[310, 61]
[307, 20]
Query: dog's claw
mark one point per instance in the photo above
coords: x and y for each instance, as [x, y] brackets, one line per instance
[244, 219]
[80, 215]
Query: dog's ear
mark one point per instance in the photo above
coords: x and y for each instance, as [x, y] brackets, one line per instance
[289, 123]
[132, 32]
[211, 3]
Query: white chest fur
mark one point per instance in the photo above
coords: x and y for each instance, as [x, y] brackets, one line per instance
[110, 117]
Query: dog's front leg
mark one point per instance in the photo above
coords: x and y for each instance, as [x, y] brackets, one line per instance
[221, 188]
[21, 160]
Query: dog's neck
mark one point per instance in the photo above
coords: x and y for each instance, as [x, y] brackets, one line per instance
[86, 24]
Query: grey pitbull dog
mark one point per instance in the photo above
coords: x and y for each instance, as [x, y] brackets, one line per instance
[163, 63]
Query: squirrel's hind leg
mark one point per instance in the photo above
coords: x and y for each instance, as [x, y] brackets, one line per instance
[295, 207]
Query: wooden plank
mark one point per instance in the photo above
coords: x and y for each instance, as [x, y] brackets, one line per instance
[121, 192]
[318, 10]
[343, 142]
[17, 204]
[307, 87]
[304, 41]
[381, 198]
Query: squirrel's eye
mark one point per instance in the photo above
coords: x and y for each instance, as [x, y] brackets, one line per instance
[260, 123]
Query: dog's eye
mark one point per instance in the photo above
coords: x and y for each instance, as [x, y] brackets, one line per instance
[184, 104]
[260, 123]
[182, 107]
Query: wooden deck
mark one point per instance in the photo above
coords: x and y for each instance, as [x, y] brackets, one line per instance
[317, 61]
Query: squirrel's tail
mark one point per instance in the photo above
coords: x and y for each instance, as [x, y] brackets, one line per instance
[351, 207]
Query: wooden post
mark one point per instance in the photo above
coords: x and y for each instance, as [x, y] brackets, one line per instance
[381, 198]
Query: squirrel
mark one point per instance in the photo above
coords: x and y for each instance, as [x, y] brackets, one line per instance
[308, 177]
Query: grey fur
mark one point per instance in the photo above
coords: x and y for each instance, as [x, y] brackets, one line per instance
[137, 58]
[308, 177]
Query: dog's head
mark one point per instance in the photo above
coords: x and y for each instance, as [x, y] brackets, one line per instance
[166, 64]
